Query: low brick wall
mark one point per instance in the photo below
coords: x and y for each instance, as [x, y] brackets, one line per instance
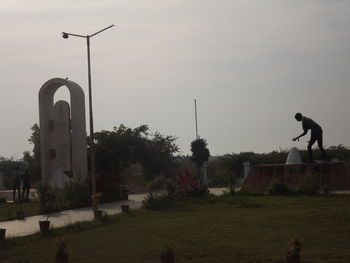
[334, 175]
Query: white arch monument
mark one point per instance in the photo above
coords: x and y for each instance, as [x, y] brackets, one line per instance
[62, 133]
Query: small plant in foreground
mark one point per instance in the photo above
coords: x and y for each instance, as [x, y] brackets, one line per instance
[61, 253]
[293, 256]
[167, 255]
[96, 200]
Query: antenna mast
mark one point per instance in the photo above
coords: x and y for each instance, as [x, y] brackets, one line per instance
[195, 115]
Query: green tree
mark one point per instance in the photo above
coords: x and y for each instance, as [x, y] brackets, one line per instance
[200, 154]
[32, 159]
[159, 158]
[7, 167]
[116, 150]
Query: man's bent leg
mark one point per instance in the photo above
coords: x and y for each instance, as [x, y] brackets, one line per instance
[320, 146]
[309, 147]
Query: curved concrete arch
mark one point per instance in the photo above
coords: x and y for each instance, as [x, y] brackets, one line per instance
[75, 125]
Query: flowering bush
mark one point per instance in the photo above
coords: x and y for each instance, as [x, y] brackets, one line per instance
[189, 184]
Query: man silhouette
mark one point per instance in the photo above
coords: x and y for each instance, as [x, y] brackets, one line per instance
[316, 134]
[16, 183]
[26, 185]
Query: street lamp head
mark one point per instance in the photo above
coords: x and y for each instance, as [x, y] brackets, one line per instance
[65, 35]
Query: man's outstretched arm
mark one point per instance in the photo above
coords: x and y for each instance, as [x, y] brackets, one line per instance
[301, 135]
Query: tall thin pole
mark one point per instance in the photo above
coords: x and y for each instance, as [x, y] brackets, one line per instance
[195, 115]
[92, 142]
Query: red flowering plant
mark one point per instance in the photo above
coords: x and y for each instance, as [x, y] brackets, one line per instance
[188, 184]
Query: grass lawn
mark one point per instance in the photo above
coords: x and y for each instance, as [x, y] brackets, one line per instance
[220, 229]
[8, 210]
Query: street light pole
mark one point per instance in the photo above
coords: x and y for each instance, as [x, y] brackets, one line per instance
[195, 117]
[91, 122]
[92, 143]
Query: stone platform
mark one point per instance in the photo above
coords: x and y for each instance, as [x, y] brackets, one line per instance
[333, 175]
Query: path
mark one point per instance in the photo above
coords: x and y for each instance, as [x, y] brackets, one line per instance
[30, 225]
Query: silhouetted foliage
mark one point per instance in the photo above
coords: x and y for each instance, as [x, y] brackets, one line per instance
[110, 185]
[159, 158]
[116, 150]
[200, 152]
[279, 187]
[32, 159]
[47, 198]
[76, 194]
[8, 166]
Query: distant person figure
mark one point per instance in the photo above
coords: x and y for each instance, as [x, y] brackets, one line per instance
[26, 185]
[316, 134]
[17, 180]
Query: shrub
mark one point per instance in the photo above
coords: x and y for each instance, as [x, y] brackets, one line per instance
[157, 184]
[309, 184]
[47, 198]
[189, 184]
[158, 202]
[170, 186]
[110, 185]
[76, 194]
[279, 187]
[223, 177]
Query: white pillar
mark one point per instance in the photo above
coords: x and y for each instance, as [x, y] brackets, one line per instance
[50, 141]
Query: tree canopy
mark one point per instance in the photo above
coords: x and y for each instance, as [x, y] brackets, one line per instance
[32, 159]
[200, 152]
[118, 149]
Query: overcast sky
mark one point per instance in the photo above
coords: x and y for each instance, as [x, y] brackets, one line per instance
[250, 64]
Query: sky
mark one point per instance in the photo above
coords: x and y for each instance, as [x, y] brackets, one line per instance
[250, 64]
